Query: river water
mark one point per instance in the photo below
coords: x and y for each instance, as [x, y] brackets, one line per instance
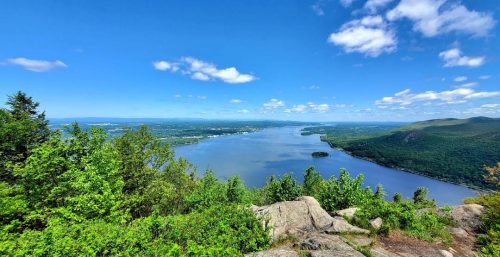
[274, 151]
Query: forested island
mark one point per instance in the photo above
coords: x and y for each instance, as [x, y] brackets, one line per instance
[319, 154]
[86, 194]
[454, 150]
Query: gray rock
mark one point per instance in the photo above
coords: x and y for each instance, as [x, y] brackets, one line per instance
[300, 217]
[340, 225]
[459, 232]
[376, 223]
[445, 253]
[281, 252]
[320, 241]
[349, 212]
[468, 216]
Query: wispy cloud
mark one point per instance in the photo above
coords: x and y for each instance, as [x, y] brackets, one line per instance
[235, 101]
[484, 77]
[36, 65]
[243, 111]
[204, 71]
[373, 5]
[460, 79]
[310, 107]
[434, 17]
[470, 84]
[454, 57]
[485, 109]
[317, 7]
[370, 35]
[456, 96]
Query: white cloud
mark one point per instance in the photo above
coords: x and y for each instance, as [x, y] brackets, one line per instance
[235, 101]
[484, 77]
[433, 17]
[314, 87]
[318, 8]
[453, 57]
[470, 84]
[273, 104]
[164, 66]
[177, 96]
[201, 97]
[484, 109]
[460, 78]
[346, 3]
[243, 111]
[373, 5]
[204, 71]
[319, 107]
[301, 108]
[36, 65]
[456, 96]
[370, 36]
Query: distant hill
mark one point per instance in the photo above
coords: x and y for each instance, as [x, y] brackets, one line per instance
[454, 150]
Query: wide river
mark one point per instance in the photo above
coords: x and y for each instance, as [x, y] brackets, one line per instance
[274, 151]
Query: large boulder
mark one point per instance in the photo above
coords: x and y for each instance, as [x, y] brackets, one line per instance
[299, 217]
[349, 212]
[468, 216]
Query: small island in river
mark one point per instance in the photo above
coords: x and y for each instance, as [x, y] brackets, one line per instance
[319, 154]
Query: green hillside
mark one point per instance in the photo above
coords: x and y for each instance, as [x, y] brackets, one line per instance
[454, 150]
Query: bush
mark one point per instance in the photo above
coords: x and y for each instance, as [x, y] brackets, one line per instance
[344, 192]
[281, 189]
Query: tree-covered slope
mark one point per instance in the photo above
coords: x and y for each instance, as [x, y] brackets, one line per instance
[455, 150]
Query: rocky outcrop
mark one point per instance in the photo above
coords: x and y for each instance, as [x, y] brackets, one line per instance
[468, 216]
[349, 212]
[300, 217]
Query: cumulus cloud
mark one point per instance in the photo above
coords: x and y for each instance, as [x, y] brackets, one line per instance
[370, 36]
[456, 96]
[454, 57]
[164, 66]
[373, 5]
[273, 104]
[204, 71]
[460, 78]
[433, 17]
[319, 107]
[36, 65]
[235, 101]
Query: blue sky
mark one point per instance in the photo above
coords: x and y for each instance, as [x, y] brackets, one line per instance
[326, 60]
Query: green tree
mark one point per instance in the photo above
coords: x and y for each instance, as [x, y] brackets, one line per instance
[397, 198]
[420, 197]
[286, 188]
[209, 192]
[22, 129]
[379, 192]
[236, 191]
[344, 192]
[312, 182]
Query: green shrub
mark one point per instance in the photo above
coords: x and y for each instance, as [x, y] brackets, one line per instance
[343, 192]
[285, 188]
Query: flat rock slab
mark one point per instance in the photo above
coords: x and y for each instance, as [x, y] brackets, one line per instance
[335, 253]
[282, 252]
[340, 225]
[349, 212]
[468, 216]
